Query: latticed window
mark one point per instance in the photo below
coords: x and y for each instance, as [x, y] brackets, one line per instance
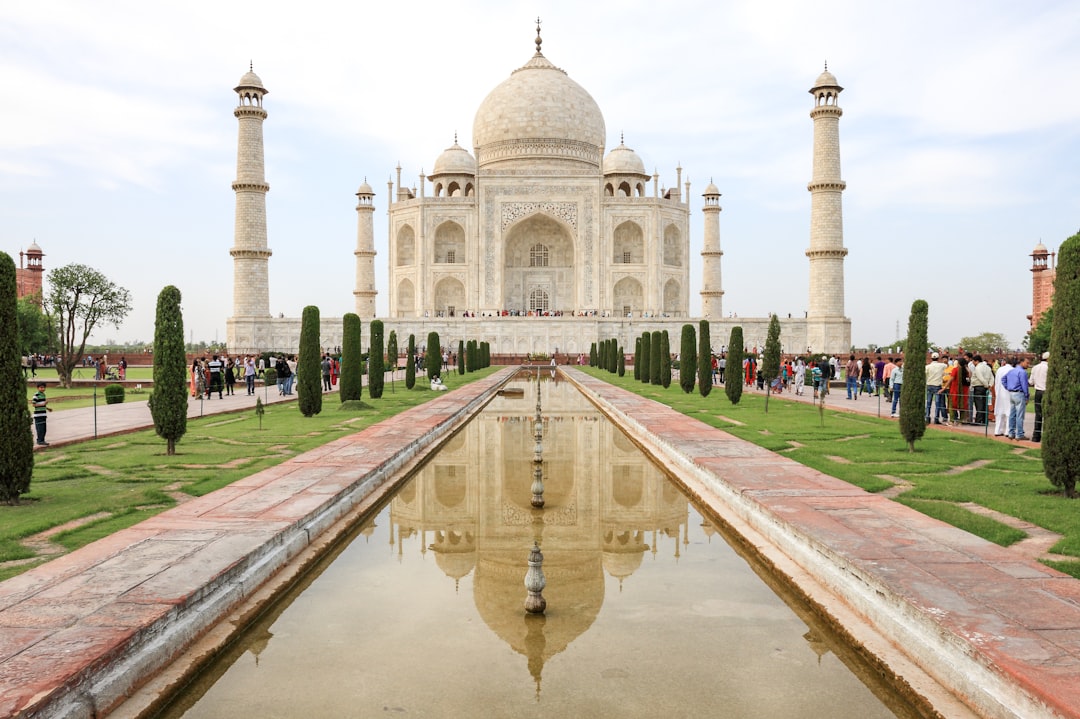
[450, 255]
[538, 255]
[626, 257]
[538, 300]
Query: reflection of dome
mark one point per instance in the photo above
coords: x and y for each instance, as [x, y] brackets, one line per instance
[623, 161]
[539, 111]
[455, 553]
[623, 553]
[454, 160]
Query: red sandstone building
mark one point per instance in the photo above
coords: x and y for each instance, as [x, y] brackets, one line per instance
[29, 273]
[1043, 272]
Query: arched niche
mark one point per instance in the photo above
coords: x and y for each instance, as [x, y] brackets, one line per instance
[406, 247]
[449, 297]
[629, 244]
[672, 298]
[539, 255]
[673, 246]
[628, 297]
[449, 243]
[406, 298]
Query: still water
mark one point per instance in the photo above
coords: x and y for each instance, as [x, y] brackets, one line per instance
[650, 611]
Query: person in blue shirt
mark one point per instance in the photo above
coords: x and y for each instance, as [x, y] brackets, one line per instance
[1016, 384]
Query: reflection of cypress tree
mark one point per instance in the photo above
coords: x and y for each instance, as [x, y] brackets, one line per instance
[704, 359]
[16, 440]
[308, 365]
[733, 376]
[687, 359]
[410, 367]
[654, 362]
[913, 388]
[376, 368]
[1061, 400]
[646, 357]
[169, 401]
[352, 363]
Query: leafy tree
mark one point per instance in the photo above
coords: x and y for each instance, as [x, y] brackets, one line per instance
[169, 400]
[376, 366]
[309, 364]
[1061, 400]
[16, 440]
[33, 327]
[79, 299]
[352, 359]
[688, 358]
[434, 356]
[985, 343]
[733, 379]
[770, 364]
[646, 357]
[410, 366]
[622, 362]
[1037, 340]
[461, 357]
[637, 359]
[656, 348]
[665, 360]
[704, 359]
[913, 388]
[392, 351]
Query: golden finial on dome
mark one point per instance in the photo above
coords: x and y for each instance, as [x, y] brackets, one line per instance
[539, 41]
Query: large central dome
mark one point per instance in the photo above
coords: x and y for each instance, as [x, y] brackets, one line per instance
[539, 113]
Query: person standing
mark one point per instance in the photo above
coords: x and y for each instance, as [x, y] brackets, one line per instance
[896, 378]
[982, 379]
[800, 376]
[1016, 384]
[1038, 381]
[249, 374]
[230, 377]
[1001, 399]
[935, 400]
[327, 367]
[851, 377]
[214, 367]
[41, 406]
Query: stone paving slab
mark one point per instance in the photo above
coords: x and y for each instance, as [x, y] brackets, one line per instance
[81, 632]
[1000, 631]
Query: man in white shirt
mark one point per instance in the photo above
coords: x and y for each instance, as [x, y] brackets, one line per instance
[935, 374]
[982, 379]
[1001, 399]
[1038, 381]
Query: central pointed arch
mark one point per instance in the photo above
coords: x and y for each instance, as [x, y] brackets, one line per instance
[539, 265]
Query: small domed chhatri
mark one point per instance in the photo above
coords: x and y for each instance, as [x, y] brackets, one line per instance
[624, 161]
[250, 80]
[455, 160]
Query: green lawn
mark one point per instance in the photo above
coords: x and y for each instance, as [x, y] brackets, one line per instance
[947, 468]
[128, 478]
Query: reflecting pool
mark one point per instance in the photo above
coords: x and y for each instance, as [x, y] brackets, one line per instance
[650, 611]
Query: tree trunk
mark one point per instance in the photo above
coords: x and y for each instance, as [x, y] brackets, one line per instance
[170, 447]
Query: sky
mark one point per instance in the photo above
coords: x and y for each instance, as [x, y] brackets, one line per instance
[959, 140]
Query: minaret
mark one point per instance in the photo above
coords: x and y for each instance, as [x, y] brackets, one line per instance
[826, 327]
[365, 252]
[1042, 282]
[28, 278]
[251, 284]
[712, 294]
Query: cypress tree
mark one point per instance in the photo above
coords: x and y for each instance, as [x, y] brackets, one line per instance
[614, 349]
[646, 357]
[913, 388]
[169, 400]
[655, 349]
[704, 358]
[487, 353]
[352, 363]
[461, 357]
[688, 359]
[308, 364]
[376, 367]
[637, 358]
[665, 359]
[392, 351]
[1061, 400]
[434, 356]
[622, 362]
[16, 438]
[410, 367]
[601, 355]
[592, 355]
[734, 364]
[770, 364]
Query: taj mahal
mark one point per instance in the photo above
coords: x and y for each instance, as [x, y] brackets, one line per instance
[537, 240]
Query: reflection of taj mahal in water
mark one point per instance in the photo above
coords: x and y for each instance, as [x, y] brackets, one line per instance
[606, 508]
[537, 239]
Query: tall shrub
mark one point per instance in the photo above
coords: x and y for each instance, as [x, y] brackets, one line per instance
[485, 354]
[169, 400]
[665, 359]
[16, 440]
[913, 388]
[770, 363]
[616, 353]
[392, 351]
[309, 364]
[461, 356]
[1061, 400]
[622, 362]
[434, 356]
[352, 363]
[655, 349]
[637, 358]
[646, 357]
[592, 355]
[704, 358]
[688, 358]
[376, 367]
[733, 377]
[410, 366]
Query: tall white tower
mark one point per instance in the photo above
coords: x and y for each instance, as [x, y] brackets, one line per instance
[251, 283]
[712, 293]
[365, 252]
[827, 330]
